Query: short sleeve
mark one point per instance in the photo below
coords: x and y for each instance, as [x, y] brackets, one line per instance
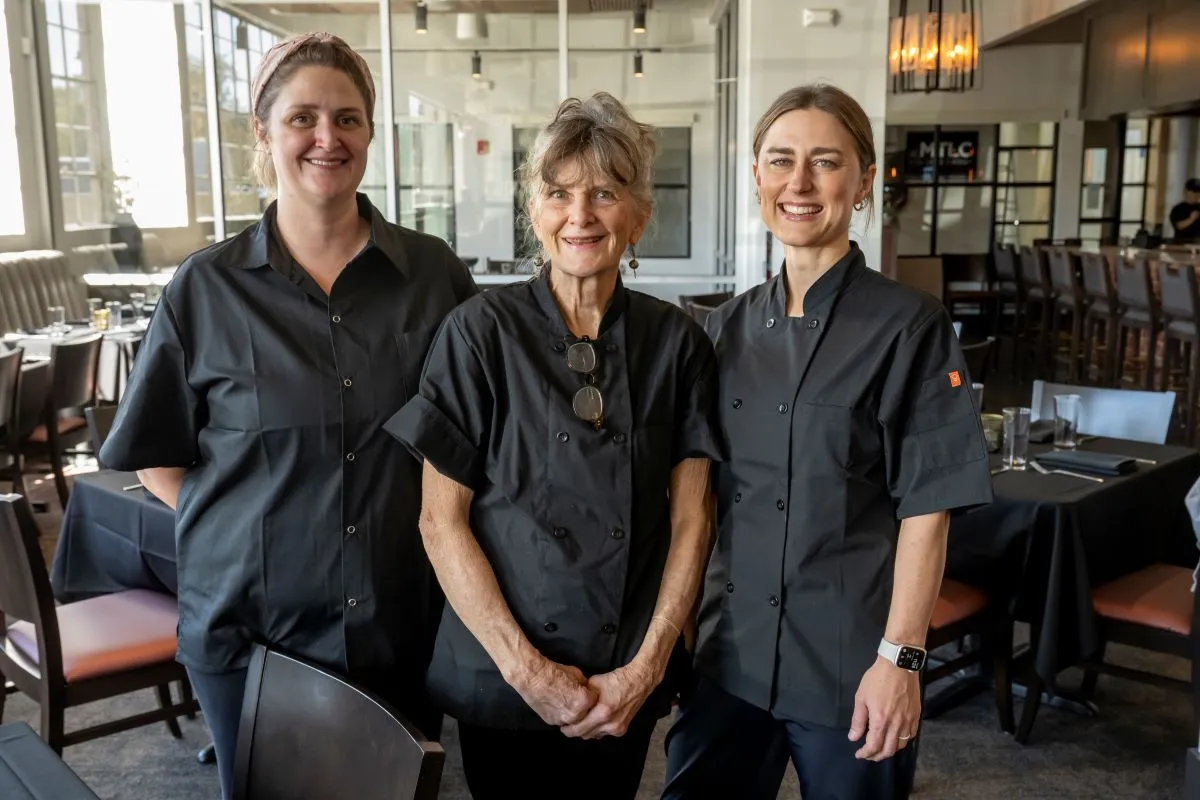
[159, 420]
[696, 429]
[448, 420]
[934, 447]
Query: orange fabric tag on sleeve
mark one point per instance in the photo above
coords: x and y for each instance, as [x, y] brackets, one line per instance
[955, 379]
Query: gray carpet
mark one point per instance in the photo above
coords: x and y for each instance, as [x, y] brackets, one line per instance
[1134, 749]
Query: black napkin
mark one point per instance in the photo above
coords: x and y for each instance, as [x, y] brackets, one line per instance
[1088, 461]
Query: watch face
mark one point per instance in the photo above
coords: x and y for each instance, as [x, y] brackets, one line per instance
[910, 658]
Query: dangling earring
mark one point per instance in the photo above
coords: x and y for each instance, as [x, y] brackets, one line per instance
[538, 261]
[860, 205]
[633, 262]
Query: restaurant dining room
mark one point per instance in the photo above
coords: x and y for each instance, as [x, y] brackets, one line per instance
[221, 466]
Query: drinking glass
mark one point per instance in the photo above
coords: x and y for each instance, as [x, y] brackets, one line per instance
[1066, 419]
[1016, 438]
[95, 305]
[138, 301]
[977, 390]
[115, 314]
[58, 320]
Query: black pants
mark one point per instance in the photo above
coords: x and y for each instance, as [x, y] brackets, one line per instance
[545, 765]
[220, 695]
[722, 747]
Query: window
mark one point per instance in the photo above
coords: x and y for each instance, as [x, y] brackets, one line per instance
[1135, 157]
[76, 110]
[12, 212]
[670, 231]
[425, 178]
[197, 94]
[1025, 182]
[1091, 196]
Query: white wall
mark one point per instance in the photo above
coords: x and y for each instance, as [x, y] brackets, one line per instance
[775, 53]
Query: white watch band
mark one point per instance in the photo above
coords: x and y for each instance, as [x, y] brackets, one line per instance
[888, 650]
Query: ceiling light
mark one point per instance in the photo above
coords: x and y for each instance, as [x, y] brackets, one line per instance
[639, 19]
[637, 65]
[422, 18]
[476, 66]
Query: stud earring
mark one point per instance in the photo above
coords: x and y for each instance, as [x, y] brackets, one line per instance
[538, 261]
[860, 205]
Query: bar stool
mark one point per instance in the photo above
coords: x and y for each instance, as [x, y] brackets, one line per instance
[1100, 319]
[1009, 292]
[1181, 321]
[1069, 299]
[1037, 306]
[1139, 315]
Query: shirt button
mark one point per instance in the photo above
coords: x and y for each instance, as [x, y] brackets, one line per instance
[352, 602]
[729, 587]
[771, 322]
[336, 318]
[559, 347]
[619, 438]
[773, 600]
[349, 456]
[564, 437]
[347, 383]
[350, 530]
[608, 628]
[559, 533]
[812, 323]
[737, 402]
[610, 348]
[780, 505]
[617, 533]
[783, 407]
[549, 627]
[737, 498]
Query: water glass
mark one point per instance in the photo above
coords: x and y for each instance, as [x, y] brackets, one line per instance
[138, 301]
[58, 320]
[1066, 419]
[94, 308]
[1016, 438]
[115, 314]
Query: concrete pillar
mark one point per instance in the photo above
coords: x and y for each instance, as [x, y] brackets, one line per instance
[1182, 157]
[775, 53]
[1068, 179]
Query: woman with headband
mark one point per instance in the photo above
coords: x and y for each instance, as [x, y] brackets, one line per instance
[257, 402]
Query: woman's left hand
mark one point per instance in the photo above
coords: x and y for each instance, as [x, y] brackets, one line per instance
[887, 708]
[622, 693]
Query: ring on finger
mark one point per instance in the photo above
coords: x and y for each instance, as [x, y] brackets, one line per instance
[905, 738]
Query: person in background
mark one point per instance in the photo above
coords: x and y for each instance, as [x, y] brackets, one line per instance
[1185, 216]
[567, 426]
[256, 407]
[851, 432]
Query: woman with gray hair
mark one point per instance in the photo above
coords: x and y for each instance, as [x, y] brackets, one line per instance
[567, 429]
[257, 402]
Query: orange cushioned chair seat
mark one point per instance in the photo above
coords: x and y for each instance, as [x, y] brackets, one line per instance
[1159, 596]
[956, 601]
[108, 634]
[65, 425]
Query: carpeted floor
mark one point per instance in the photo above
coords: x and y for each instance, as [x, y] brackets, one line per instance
[1133, 749]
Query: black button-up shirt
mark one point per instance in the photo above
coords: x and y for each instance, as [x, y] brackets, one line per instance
[297, 519]
[837, 424]
[575, 521]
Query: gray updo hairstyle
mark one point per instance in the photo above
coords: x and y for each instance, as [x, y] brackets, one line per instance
[603, 139]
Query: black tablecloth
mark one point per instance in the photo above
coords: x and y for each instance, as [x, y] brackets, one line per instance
[30, 770]
[1048, 540]
[113, 540]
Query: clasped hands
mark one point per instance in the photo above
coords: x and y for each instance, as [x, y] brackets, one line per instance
[582, 707]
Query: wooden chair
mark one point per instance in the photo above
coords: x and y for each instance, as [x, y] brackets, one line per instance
[961, 611]
[308, 733]
[100, 422]
[1100, 320]
[1070, 302]
[1152, 609]
[1181, 337]
[78, 653]
[1140, 315]
[1037, 308]
[10, 422]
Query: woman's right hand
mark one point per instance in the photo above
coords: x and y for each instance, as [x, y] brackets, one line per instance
[558, 693]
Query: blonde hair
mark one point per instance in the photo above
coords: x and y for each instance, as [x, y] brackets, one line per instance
[281, 63]
[839, 105]
[603, 139]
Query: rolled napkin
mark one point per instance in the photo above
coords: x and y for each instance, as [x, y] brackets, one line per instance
[1088, 461]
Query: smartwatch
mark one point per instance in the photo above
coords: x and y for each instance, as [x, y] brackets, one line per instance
[904, 656]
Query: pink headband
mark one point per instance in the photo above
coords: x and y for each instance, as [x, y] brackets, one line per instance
[281, 52]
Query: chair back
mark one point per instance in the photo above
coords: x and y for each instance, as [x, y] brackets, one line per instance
[1097, 280]
[1005, 259]
[99, 422]
[1177, 287]
[1064, 273]
[76, 365]
[10, 395]
[1116, 413]
[306, 732]
[922, 273]
[977, 357]
[1034, 273]
[712, 300]
[1133, 285]
[25, 594]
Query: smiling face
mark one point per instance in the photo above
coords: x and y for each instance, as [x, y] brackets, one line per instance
[585, 222]
[318, 134]
[809, 178]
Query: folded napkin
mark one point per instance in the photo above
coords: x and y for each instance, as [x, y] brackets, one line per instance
[1088, 461]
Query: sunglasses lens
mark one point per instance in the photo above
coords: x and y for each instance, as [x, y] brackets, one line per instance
[588, 405]
[581, 357]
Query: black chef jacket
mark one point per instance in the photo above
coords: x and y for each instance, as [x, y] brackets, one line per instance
[1179, 214]
[575, 521]
[297, 520]
[837, 424]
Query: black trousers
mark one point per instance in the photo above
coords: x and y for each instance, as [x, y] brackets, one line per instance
[722, 747]
[545, 765]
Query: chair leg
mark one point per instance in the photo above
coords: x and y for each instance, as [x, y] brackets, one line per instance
[1002, 668]
[1033, 701]
[164, 701]
[1193, 395]
[52, 725]
[54, 446]
[1087, 687]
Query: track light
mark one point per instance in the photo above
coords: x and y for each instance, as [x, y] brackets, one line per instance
[637, 64]
[639, 18]
[422, 18]
[476, 66]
